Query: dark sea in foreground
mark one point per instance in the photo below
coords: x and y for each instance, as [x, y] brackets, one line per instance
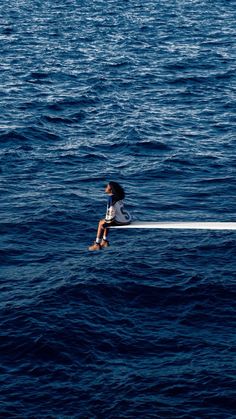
[143, 93]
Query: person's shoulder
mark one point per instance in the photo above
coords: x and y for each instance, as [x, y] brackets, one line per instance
[115, 199]
[110, 199]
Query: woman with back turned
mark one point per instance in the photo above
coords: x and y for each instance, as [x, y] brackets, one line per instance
[116, 214]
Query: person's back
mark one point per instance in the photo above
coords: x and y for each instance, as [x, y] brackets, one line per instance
[121, 215]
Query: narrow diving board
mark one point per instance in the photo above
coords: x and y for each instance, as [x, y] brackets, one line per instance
[198, 225]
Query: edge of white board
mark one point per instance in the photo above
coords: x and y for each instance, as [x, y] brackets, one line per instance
[202, 225]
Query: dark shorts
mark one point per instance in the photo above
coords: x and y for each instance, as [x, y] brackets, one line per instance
[113, 223]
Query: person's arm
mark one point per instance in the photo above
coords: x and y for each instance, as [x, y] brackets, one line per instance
[111, 212]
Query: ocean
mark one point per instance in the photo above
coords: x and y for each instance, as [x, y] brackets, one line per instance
[144, 94]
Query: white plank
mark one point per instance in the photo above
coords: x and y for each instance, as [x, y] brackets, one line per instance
[198, 225]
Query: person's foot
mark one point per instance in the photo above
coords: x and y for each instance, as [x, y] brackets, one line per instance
[105, 243]
[95, 246]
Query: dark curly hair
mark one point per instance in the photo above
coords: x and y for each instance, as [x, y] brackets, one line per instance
[117, 190]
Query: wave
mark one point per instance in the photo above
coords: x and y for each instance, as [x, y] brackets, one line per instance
[27, 134]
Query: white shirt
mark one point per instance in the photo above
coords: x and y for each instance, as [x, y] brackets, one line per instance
[116, 211]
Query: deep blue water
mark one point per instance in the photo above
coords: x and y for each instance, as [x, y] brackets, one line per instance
[142, 93]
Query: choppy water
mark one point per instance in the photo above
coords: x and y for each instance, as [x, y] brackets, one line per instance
[142, 93]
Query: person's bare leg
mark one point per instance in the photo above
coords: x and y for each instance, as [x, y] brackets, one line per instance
[101, 239]
[101, 230]
[105, 242]
[105, 233]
